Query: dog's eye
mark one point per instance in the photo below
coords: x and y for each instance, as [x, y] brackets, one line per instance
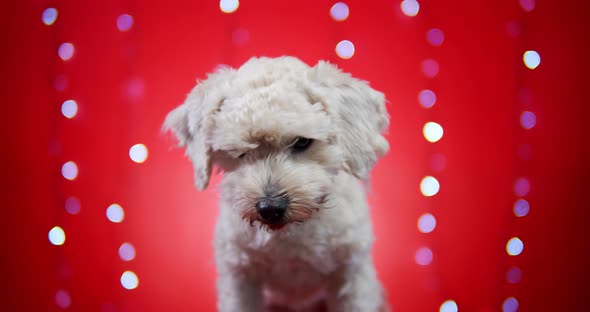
[242, 156]
[301, 144]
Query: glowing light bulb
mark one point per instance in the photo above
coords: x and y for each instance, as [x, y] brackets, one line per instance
[345, 49]
[66, 51]
[69, 170]
[426, 223]
[410, 7]
[432, 131]
[115, 213]
[339, 11]
[138, 153]
[49, 16]
[229, 6]
[129, 280]
[69, 109]
[429, 186]
[449, 306]
[531, 59]
[57, 236]
[514, 246]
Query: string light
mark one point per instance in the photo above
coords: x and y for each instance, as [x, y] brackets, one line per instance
[57, 236]
[449, 306]
[345, 49]
[229, 6]
[129, 280]
[339, 11]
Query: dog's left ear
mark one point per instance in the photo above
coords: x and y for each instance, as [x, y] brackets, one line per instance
[358, 112]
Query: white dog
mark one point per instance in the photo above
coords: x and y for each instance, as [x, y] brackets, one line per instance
[293, 141]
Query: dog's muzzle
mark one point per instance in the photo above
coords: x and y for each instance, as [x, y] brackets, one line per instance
[272, 209]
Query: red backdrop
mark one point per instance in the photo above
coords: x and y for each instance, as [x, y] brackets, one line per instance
[125, 81]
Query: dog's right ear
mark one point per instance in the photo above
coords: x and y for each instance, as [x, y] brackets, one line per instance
[191, 123]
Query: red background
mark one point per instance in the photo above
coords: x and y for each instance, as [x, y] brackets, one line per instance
[126, 82]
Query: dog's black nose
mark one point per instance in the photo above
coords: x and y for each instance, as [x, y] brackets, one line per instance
[272, 210]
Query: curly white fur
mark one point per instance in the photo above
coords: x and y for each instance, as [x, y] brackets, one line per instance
[245, 121]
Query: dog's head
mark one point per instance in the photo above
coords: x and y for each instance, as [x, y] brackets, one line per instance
[281, 131]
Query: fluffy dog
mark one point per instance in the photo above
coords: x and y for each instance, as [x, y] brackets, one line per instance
[293, 142]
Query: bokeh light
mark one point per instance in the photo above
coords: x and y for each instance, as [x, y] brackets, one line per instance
[69, 170]
[531, 59]
[339, 11]
[426, 223]
[430, 68]
[514, 246]
[115, 213]
[129, 280]
[410, 7]
[124, 22]
[435, 37]
[432, 131]
[427, 98]
[429, 186]
[345, 49]
[521, 207]
[240, 36]
[49, 16]
[66, 51]
[62, 299]
[138, 153]
[449, 306]
[229, 6]
[527, 5]
[528, 120]
[510, 305]
[72, 205]
[514, 275]
[69, 109]
[423, 256]
[57, 236]
[127, 252]
[522, 187]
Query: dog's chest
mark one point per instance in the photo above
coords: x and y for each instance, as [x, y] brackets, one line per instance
[291, 261]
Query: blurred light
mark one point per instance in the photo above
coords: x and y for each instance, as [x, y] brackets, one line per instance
[345, 49]
[514, 275]
[57, 236]
[527, 5]
[49, 16]
[229, 6]
[410, 7]
[124, 22]
[127, 252]
[423, 256]
[73, 205]
[528, 120]
[66, 51]
[240, 36]
[510, 305]
[138, 153]
[69, 108]
[514, 246]
[449, 306]
[429, 186]
[62, 299]
[430, 68]
[339, 11]
[115, 213]
[135, 88]
[129, 280]
[427, 98]
[426, 223]
[525, 151]
[438, 162]
[432, 131]
[531, 59]
[521, 208]
[522, 186]
[69, 170]
[435, 37]
[60, 82]
[513, 29]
